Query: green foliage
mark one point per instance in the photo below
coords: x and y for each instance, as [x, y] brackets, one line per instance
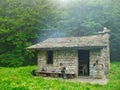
[21, 22]
[21, 79]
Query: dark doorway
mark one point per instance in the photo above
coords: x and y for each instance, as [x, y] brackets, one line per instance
[83, 62]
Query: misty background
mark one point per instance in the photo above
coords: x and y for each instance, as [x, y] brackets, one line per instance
[26, 22]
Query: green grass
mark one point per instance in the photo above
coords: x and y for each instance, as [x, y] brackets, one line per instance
[21, 79]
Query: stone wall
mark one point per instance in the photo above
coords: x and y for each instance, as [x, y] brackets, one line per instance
[41, 60]
[106, 58]
[95, 56]
[102, 55]
[68, 58]
[103, 62]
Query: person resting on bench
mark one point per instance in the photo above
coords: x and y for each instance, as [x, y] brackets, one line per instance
[63, 71]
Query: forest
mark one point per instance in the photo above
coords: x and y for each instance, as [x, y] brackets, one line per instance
[26, 22]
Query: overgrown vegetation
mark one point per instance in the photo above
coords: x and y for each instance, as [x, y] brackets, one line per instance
[21, 79]
[22, 22]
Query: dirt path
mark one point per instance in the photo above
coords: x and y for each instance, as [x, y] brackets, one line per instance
[91, 81]
[83, 80]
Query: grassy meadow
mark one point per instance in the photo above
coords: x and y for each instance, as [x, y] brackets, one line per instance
[21, 79]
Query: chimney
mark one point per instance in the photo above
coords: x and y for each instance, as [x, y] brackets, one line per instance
[105, 31]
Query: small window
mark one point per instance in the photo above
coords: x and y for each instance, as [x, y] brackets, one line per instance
[49, 57]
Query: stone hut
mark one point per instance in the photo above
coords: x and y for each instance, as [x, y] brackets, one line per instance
[78, 54]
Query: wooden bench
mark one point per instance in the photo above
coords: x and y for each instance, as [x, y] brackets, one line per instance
[54, 74]
[46, 74]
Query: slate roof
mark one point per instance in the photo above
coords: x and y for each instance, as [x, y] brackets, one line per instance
[84, 42]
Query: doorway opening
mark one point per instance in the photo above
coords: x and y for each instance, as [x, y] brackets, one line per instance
[83, 62]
